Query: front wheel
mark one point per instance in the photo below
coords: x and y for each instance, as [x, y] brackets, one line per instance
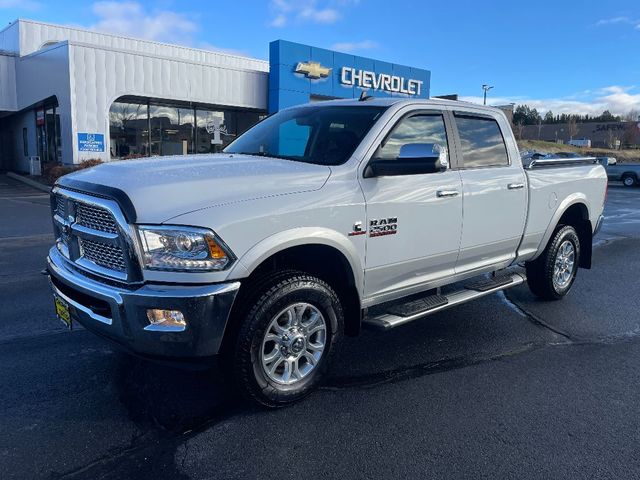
[551, 275]
[287, 338]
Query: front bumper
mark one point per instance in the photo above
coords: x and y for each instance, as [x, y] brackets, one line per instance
[120, 314]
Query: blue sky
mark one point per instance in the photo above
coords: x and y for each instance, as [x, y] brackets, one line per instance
[567, 56]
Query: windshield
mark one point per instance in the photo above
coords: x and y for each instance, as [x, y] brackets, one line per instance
[324, 135]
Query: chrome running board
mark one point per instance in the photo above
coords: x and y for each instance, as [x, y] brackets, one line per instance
[390, 320]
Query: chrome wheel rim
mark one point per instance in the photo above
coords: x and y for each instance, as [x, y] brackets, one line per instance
[293, 343]
[628, 181]
[564, 264]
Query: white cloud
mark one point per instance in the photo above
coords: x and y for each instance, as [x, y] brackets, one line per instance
[29, 5]
[307, 11]
[620, 99]
[613, 21]
[621, 20]
[325, 15]
[215, 48]
[131, 19]
[279, 21]
[355, 46]
[617, 99]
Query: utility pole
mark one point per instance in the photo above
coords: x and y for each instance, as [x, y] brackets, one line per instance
[486, 88]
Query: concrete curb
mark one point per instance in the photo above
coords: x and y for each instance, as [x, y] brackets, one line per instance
[28, 181]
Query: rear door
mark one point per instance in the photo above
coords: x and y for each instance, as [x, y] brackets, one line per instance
[494, 198]
[413, 221]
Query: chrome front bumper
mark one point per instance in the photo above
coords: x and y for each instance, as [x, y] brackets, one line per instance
[120, 314]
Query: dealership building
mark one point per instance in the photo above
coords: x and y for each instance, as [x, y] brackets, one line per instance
[69, 95]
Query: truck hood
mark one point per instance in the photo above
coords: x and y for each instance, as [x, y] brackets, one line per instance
[161, 188]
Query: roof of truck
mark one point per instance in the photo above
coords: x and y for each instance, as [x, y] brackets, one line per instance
[387, 102]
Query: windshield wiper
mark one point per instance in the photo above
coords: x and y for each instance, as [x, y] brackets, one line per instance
[267, 154]
[255, 154]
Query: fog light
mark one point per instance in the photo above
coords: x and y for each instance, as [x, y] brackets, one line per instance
[166, 319]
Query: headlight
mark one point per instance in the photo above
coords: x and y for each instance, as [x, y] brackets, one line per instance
[183, 248]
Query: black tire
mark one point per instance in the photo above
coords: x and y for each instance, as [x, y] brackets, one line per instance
[540, 271]
[629, 180]
[265, 299]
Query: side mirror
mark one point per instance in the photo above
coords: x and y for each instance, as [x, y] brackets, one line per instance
[413, 159]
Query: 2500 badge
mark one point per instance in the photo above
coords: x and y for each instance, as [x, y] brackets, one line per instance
[383, 226]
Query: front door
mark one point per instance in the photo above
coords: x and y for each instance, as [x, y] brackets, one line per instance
[413, 221]
[494, 195]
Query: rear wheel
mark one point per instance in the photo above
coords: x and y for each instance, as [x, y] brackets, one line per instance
[629, 180]
[552, 274]
[287, 338]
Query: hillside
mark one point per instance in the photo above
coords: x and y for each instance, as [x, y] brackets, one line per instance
[623, 156]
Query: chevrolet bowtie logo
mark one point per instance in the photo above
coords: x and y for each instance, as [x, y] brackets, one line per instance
[313, 70]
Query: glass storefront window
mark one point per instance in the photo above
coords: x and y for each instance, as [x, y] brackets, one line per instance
[171, 130]
[215, 130]
[141, 127]
[129, 130]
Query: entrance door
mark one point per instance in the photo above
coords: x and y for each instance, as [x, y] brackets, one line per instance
[41, 135]
[6, 149]
[48, 134]
[414, 221]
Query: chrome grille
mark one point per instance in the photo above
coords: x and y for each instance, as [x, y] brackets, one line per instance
[95, 218]
[104, 255]
[92, 233]
[61, 206]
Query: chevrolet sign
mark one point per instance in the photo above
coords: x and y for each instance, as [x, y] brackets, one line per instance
[313, 70]
[380, 81]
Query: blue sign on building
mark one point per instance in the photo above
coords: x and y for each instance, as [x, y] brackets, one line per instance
[91, 142]
[302, 73]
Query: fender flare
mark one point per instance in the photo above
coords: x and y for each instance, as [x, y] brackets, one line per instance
[573, 199]
[300, 236]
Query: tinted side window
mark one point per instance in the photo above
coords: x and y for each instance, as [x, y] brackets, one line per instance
[416, 129]
[482, 142]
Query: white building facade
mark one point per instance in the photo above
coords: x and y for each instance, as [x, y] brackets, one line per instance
[69, 95]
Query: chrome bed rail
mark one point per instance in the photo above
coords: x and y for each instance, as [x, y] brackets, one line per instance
[560, 162]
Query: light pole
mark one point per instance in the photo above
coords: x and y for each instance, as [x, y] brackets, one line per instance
[486, 88]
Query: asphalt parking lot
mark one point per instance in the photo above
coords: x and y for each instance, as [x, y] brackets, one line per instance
[505, 387]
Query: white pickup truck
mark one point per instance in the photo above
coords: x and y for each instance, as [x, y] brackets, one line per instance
[320, 219]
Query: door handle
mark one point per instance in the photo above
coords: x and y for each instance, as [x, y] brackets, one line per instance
[447, 193]
[515, 186]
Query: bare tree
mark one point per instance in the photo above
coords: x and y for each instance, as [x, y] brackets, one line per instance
[539, 126]
[612, 139]
[518, 129]
[572, 127]
[631, 135]
[632, 115]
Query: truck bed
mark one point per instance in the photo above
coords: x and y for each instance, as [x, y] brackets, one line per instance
[555, 184]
